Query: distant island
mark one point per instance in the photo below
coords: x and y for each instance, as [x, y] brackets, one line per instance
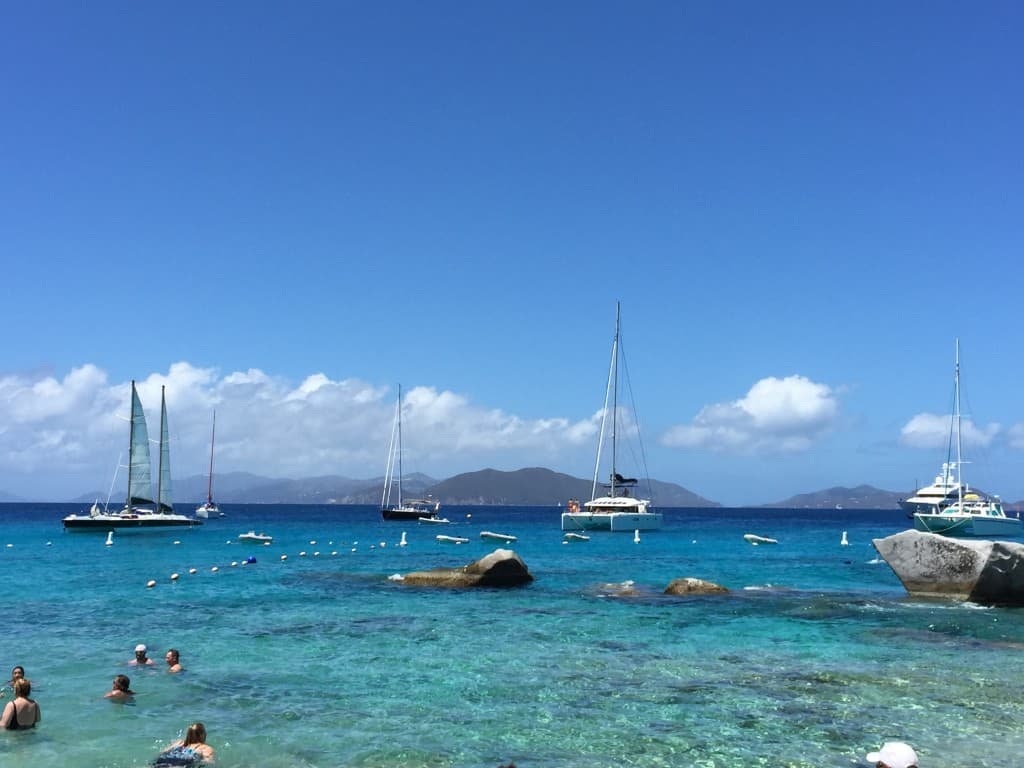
[531, 486]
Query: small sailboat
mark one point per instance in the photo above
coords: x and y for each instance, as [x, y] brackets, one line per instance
[137, 512]
[424, 510]
[209, 508]
[616, 510]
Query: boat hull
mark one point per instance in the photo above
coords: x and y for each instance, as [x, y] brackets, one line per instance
[620, 522]
[114, 522]
[405, 513]
[968, 525]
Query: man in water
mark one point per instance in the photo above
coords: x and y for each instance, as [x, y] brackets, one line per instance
[173, 660]
[141, 659]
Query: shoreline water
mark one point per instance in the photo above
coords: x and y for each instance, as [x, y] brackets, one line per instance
[815, 657]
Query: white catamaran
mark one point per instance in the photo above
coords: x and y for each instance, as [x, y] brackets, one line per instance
[209, 507]
[136, 512]
[422, 510]
[616, 511]
[970, 513]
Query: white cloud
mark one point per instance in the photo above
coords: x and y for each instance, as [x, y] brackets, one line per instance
[776, 416]
[1015, 435]
[928, 430]
[71, 430]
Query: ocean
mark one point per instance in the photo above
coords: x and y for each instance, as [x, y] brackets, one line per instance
[815, 657]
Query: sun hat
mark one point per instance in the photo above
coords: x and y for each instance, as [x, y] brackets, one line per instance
[895, 754]
[140, 648]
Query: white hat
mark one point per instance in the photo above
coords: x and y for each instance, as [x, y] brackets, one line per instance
[140, 648]
[895, 754]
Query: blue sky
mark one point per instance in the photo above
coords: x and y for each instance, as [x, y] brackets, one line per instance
[282, 211]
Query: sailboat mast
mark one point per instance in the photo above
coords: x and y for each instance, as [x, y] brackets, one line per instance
[615, 394]
[209, 484]
[131, 444]
[399, 445]
[956, 411]
[160, 464]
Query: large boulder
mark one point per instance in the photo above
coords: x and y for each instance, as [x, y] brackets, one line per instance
[985, 572]
[501, 568]
[692, 586]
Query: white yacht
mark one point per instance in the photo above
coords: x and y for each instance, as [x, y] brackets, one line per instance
[941, 493]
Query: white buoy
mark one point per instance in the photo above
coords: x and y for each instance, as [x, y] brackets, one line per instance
[636, 536]
[177, 542]
[383, 544]
[174, 577]
[302, 553]
[317, 553]
[334, 553]
[234, 563]
[192, 570]
[214, 569]
[110, 538]
[313, 542]
[403, 542]
[283, 558]
[151, 583]
[49, 543]
[844, 542]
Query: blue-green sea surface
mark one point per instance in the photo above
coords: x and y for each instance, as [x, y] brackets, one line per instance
[313, 656]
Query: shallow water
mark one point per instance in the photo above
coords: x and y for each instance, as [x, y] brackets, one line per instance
[815, 657]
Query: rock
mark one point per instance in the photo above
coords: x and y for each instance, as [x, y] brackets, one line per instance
[984, 572]
[691, 586]
[501, 568]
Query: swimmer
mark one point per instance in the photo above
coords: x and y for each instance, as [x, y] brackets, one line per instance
[141, 659]
[17, 672]
[190, 751]
[22, 712]
[120, 690]
[173, 659]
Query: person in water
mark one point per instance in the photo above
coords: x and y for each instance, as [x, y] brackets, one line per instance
[22, 712]
[173, 659]
[16, 673]
[141, 659]
[121, 690]
[190, 750]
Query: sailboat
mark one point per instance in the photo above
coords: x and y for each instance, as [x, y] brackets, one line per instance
[971, 513]
[617, 510]
[424, 510]
[209, 508]
[137, 512]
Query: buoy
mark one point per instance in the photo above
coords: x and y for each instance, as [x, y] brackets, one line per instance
[844, 542]
[334, 553]
[284, 557]
[302, 553]
[403, 542]
[383, 544]
[214, 569]
[177, 542]
[174, 577]
[49, 543]
[266, 543]
[636, 536]
[110, 538]
[469, 515]
[317, 553]
[313, 542]
[192, 570]
[151, 583]
[234, 563]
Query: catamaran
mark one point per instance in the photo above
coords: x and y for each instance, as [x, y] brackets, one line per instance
[971, 513]
[209, 507]
[136, 512]
[422, 510]
[617, 510]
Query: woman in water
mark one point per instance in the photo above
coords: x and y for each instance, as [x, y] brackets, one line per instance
[192, 750]
[22, 712]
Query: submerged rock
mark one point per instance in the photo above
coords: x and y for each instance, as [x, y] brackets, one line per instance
[692, 586]
[985, 572]
[501, 568]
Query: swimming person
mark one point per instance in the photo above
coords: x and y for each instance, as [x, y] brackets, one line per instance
[141, 659]
[121, 690]
[173, 659]
[190, 751]
[894, 754]
[18, 671]
[21, 712]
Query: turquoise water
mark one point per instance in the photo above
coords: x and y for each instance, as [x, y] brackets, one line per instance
[815, 657]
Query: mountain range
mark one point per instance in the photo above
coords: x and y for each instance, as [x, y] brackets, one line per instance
[533, 486]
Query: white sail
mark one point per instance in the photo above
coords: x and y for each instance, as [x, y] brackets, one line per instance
[164, 478]
[140, 483]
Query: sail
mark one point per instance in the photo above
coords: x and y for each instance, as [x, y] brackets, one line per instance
[140, 483]
[164, 482]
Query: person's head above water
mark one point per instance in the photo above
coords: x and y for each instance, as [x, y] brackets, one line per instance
[894, 754]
